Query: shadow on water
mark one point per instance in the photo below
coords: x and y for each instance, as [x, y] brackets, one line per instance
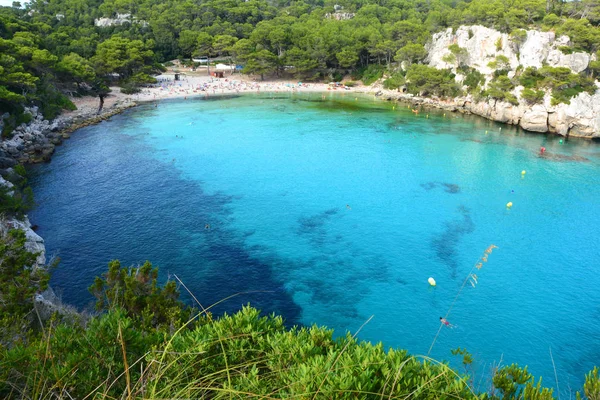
[445, 243]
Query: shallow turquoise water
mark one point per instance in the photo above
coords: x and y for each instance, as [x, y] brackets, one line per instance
[330, 211]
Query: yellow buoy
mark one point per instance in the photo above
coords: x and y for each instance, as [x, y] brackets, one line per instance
[486, 132]
[393, 108]
[509, 204]
[431, 281]
[523, 172]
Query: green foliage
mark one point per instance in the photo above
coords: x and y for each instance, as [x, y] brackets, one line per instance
[498, 44]
[591, 387]
[514, 382]
[499, 88]
[122, 56]
[566, 49]
[411, 53]
[473, 80]
[136, 291]
[122, 354]
[18, 281]
[424, 80]
[459, 54]
[18, 199]
[533, 96]
[40, 52]
[501, 62]
[594, 67]
[394, 81]
[371, 74]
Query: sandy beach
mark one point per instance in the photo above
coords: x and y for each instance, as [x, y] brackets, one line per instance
[197, 84]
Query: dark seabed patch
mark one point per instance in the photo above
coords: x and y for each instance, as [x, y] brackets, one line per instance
[314, 226]
[448, 187]
[445, 244]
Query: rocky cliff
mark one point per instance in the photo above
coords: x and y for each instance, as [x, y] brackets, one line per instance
[535, 49]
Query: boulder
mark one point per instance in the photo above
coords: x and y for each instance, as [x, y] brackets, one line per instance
[577, 62]
[535, 119]
[7, 162]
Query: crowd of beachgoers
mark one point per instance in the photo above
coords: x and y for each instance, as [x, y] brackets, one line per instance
[187, 86]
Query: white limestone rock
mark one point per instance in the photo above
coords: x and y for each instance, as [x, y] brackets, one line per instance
[535, 119]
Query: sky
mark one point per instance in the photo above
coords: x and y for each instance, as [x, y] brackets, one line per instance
[9, 2]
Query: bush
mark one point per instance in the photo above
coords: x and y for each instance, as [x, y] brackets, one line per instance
[566, 49]
[136, 291]
[130, 88]
[473, 79]
[371, 74]
[424, 80]
[499, 88]
[395, 81]
[533, 96]
[530, 78]
[18, 281]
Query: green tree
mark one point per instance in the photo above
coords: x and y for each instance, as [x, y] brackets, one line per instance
[411, 53]
[122, 56]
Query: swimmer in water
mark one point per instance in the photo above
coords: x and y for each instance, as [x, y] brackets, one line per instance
[445, 322]
[348, 207]
[207, 226]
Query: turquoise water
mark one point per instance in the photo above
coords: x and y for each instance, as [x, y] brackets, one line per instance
[330, 211]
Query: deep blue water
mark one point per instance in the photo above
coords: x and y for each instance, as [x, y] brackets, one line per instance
[330, 211]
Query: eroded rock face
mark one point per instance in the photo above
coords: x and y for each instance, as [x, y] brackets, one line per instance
[480, 43]
[535, 119]
[579, 118]
[483, 45]
[536, 48]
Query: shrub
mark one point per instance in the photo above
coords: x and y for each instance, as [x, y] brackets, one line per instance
[395, 81]
[371, 74]
[499, 88]
[498, 44]
[425, 80]
[474, 79]
[566, 49]
[530, 78]
[130, 88]
[136, 291]
[533, 96]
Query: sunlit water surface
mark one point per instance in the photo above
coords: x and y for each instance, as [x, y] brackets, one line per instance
[330, 211]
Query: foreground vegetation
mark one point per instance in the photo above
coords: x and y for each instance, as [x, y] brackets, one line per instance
[146, 343]
[52, 48]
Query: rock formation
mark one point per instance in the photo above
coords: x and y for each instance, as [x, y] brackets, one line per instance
[579, 118]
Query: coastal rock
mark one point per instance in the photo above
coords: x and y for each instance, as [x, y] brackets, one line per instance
[535, 49]
[34, 242]
[535, 119]
[7, 162]
[480, 43]
[577, 62]
[579, 118]
[484, 45]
